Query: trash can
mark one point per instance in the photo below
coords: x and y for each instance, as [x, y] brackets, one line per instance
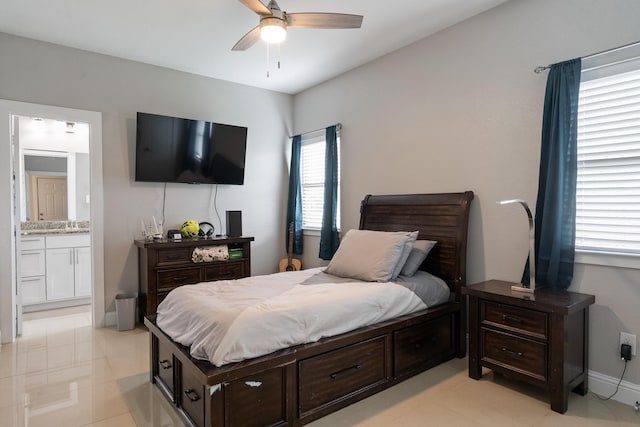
[126, 311]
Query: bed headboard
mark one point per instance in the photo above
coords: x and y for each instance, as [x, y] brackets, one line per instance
[442, 217]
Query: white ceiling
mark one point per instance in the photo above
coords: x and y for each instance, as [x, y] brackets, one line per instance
[196, 36]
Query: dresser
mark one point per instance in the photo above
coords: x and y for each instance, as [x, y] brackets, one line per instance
[164, 265]
[540, 338]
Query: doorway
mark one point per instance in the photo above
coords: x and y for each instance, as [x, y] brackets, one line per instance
[82, 191]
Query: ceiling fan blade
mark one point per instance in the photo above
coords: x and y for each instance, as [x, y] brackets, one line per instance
[248, 39]
[323, 20]
[257, 6]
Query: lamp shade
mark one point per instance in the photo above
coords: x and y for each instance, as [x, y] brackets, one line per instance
[273, 30]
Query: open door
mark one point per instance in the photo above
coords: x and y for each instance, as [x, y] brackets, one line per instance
[17, 172]
[12, 193]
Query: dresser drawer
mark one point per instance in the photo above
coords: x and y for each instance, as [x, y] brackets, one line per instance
[257, 400]
[192, 396]
[173, 278]
[514, 353]
[174, 256]
[224, 270]
[516, 319]
[420, 346]
[339, 373]
[166, 367]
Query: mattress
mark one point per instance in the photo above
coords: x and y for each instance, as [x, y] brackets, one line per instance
[232, 320]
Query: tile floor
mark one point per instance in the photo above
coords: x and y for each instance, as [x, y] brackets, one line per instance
[61, 372]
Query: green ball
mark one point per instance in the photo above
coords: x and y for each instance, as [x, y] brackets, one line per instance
[190, 228]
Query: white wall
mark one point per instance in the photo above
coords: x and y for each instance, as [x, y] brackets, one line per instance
[462, 110]
[44, 73]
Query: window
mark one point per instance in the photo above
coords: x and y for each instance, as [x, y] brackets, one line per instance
[608, 183]
[312, 154]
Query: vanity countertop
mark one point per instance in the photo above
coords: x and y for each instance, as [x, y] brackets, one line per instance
[42, 232]
[42, 228]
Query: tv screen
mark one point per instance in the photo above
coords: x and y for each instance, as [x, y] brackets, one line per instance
[172, 149]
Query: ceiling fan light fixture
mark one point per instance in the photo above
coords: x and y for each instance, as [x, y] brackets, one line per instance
[273, 30]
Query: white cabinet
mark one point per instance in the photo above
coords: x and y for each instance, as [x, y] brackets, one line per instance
[55, 268]
[68, 266]
[32, 269]
[83, 272]
[60, 274]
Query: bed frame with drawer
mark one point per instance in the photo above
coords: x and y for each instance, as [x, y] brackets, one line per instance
[297, 385]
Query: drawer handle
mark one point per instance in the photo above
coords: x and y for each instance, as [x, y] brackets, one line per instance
[223, 272]
[513, 353]
[165, 364]
[180, 279]
[192, 395]
[335, 375]
[506, 317]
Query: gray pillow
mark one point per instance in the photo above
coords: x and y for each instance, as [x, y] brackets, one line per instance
[417, 256]
[408, 245]
[368, 255]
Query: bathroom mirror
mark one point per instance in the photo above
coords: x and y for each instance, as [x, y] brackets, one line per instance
[54, 170]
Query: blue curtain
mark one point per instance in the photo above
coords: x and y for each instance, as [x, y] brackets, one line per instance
[294, 201]
[329, 238]
[555, 218]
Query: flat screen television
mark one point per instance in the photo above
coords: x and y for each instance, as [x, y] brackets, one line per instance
[172, 149]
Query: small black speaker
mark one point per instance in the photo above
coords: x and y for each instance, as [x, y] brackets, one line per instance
[234, 223]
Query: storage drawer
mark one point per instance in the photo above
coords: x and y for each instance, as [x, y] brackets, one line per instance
[192, 396]
[31, 243]
[174, 256]
[514, 353]
[32, 263]
[422, 346]
[173, 278]
[34, 290]
[224, 270]
[522, 320]
[68, 241]
[166, 368]
[257, 400]
[340, 373]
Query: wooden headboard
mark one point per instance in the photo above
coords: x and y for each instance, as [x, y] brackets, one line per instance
[442, 217]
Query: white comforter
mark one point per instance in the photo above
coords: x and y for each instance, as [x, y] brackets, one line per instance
[232, 320]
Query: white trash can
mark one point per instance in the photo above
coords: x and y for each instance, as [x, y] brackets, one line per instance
[126, 311]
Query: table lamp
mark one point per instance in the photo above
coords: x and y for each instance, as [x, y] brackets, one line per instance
[532, 250]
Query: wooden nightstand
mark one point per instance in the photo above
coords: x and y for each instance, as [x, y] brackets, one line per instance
[540, 338]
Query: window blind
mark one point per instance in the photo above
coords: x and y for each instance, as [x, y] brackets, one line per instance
[608, 182]
[312, 154]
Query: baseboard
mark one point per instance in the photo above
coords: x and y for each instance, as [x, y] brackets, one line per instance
[604, 386]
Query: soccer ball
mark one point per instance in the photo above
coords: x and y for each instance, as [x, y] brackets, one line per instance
[190, 228]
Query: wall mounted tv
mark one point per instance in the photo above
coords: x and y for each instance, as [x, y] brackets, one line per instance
[171, 149]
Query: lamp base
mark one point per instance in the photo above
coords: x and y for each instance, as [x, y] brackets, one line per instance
[521, 288]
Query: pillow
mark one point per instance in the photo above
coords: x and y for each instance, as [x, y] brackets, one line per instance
[408, 245]
[367, 255]
[431, 289]
[418, 254]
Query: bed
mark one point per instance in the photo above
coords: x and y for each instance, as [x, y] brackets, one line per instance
[301, 383]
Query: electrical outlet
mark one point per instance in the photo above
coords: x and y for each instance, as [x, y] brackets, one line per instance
[630, 339]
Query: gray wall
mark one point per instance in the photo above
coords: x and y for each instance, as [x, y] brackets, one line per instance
[43, 73]
[461, 110]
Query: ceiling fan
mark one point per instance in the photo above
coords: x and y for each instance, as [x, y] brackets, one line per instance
[274, 22]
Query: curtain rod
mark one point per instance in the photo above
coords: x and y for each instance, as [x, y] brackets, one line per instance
[337, 125]
[542, 68]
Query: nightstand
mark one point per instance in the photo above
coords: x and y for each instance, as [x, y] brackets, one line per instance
[541, 338]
